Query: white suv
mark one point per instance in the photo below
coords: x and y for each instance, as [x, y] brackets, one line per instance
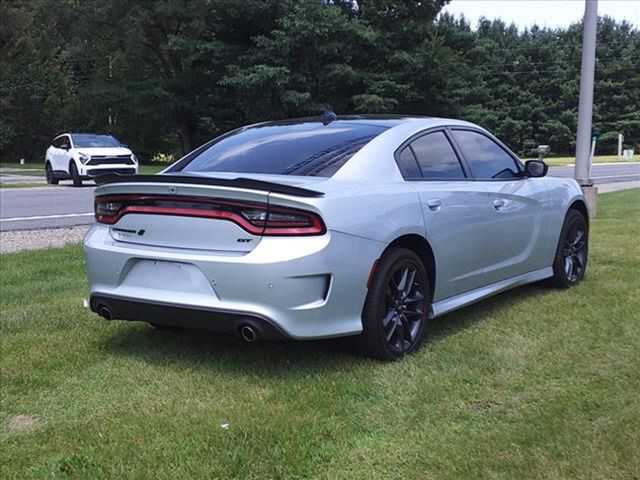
[79, 156]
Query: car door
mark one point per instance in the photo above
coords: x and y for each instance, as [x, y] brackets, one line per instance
[54, 153]
[64, 153]
[455, 210]
[516, 204]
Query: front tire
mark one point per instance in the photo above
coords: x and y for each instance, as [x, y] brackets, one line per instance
[570, 262]
[75, 176]
[51, 178]
[396, 309]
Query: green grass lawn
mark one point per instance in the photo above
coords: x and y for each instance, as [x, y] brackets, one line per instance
[534, 383]
[28, 169]
[151, 169]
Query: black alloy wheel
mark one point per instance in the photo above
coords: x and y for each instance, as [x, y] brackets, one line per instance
[570, 263]
[397, 305]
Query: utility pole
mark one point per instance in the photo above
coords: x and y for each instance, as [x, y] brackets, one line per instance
[620, 141]
[585, 105]
[110, 82]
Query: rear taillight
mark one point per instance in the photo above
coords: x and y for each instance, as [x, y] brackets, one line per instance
[256, 218]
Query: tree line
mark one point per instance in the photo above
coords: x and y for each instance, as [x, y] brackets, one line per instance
[164, 76]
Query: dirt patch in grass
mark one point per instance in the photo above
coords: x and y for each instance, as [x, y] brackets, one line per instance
[483, 405]
[23, 423]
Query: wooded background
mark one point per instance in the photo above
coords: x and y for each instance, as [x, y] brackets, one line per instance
[165, 76]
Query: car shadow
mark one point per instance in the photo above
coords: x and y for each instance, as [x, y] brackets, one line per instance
[209, 351]
[70, 185]
[459, 320]
[228, 354]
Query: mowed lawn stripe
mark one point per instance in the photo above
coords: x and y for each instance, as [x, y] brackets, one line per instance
[533, 383]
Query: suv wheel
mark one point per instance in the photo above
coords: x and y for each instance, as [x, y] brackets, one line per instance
[51, 178]
[73, 171]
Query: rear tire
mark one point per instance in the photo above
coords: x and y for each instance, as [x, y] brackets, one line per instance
[396, 310]
[51, 178]
[75, 176]
[570, 262]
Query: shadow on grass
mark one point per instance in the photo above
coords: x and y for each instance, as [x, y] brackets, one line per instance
[200, 349]
[206, 350]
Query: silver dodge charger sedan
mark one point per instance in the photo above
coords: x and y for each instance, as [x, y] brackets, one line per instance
[333, 226]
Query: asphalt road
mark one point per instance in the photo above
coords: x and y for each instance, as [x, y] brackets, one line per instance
[64, 205]
[45, 207]
[603, 173]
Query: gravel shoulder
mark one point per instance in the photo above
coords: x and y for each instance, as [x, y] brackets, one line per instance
[17, 240]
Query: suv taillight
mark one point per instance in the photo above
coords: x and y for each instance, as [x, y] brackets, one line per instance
[255, 218]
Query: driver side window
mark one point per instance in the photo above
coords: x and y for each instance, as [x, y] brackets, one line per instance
[486, 159]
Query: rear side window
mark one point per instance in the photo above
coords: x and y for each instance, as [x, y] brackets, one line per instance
[436, 156]
[486, 159]
[302, 148]
[408, 165]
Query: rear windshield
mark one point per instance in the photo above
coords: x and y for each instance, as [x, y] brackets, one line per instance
[88, 140]
[309, 149]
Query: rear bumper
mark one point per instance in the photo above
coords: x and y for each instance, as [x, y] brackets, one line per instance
[160, 313]
[305, 287]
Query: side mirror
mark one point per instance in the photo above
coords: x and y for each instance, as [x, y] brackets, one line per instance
[535, 168]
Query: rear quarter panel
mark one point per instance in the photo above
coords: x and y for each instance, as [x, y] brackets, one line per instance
[563, 192]
[381, 212]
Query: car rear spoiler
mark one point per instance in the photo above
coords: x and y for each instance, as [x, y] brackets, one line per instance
[109, 178]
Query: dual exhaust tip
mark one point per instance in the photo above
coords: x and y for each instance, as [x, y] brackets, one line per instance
[105, 312]
[248, 333]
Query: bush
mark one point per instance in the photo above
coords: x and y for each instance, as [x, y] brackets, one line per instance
[163, 158]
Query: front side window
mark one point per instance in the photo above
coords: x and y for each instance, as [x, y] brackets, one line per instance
[486, 159]
[301, 148]
[436, 156]
[89, 140]
[63, 142]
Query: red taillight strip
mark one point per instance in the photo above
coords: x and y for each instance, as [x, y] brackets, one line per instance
[187, 212]
[262, 227]
[177, 198]
[317, 226]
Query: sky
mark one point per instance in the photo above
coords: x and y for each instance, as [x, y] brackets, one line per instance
[544, 13]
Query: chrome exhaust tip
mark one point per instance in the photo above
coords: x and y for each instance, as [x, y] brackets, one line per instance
[248, 333]
[105, 312]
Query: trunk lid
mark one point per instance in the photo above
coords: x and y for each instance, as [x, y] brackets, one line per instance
[188, 212]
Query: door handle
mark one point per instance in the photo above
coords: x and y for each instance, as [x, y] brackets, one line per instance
[434, 204]
[498, 203]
